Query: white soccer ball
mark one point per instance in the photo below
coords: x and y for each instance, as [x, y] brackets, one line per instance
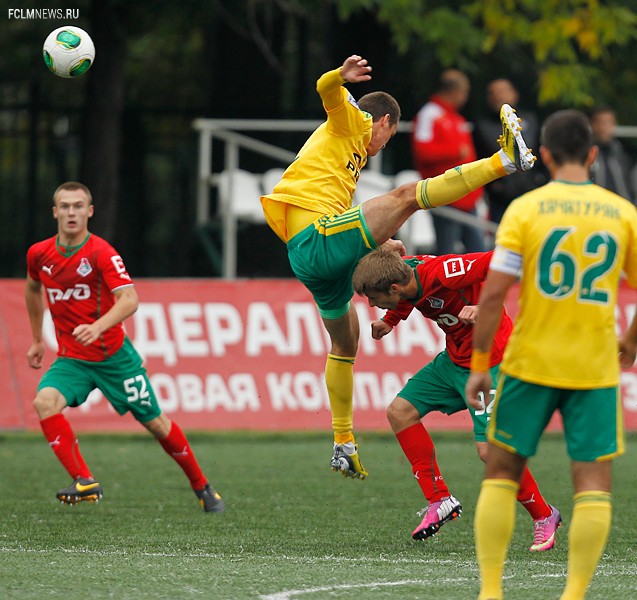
[68, 51]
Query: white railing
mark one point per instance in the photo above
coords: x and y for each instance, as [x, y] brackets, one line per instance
[227, 131]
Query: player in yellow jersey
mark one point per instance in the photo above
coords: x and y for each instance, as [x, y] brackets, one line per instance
[569, 241]
[310, 209]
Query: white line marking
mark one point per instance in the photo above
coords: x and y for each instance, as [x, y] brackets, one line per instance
[354, 586]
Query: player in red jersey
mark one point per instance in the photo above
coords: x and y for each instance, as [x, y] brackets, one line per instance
[90, 294]
[444, 289]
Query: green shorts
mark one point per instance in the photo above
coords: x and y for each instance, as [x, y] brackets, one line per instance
[324, 255]
[121, 378]
[439, 386]
[593, 419]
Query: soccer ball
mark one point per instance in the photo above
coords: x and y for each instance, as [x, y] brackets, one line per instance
[68, 51]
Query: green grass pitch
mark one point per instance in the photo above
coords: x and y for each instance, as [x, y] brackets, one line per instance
[293, 529]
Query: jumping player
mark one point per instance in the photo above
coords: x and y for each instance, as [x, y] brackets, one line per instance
[310, 209]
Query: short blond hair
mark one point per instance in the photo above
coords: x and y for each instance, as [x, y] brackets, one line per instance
[378, 271]
[71, 186]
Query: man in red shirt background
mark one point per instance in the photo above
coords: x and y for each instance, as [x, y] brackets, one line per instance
[442, 139]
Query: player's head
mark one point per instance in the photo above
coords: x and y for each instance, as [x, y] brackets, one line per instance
[381, 276]
[385, 112]
[72, 186]
[603, 123]
[454, 87]
[499, 92]
[72, 208]
[567, 136]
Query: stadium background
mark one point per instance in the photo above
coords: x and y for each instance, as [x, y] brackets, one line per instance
[126, 130]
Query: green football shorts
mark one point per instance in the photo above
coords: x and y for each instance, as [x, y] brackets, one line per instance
[121, 378]
[593, 419]
[324, 255]
[439, 386]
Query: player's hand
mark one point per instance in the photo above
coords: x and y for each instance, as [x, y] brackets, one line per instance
[478, 382]
[86, 334]
[380, 329]
[35, 354]
[468, 315]
[392, 245]
[627, 353]
[355, 69]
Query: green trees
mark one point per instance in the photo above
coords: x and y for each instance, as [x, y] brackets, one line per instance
[572, 44]
[125, 127]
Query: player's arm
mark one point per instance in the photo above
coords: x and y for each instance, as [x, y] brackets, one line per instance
[126, 303]
[392, 245]
[398, 314]
[492, 299]
[35, 308]
[468, 315]
[330, 85]
[380, 329]
[464, 270]
[628, 345]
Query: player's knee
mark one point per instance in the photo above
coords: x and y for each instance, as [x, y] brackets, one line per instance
[406, 192]
[159, 426]
[401, 414]
[46, 404]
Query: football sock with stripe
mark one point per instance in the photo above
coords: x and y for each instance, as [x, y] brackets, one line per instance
[177, 447]
[587, 538]
[530, 497]
[421, 453]
[493, 527]
[339, 379]
[456, 183]
[59, 433]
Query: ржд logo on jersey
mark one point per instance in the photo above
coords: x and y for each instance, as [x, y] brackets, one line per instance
[81, 291]
[454, 267]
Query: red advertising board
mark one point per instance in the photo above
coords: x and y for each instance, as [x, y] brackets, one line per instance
[243, 355]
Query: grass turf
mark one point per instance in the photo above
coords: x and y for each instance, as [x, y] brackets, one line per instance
[292, 529]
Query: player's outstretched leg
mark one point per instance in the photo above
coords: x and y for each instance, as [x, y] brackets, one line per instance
[81, 490]
[435, 516]
[544, 531]
[512, 142]
[346, 460]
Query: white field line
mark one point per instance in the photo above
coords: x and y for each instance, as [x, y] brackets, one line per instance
[606, 567]
[286, 595]
[236, 556]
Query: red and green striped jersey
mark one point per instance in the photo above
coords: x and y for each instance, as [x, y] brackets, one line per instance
[79, 282]
[446, 284]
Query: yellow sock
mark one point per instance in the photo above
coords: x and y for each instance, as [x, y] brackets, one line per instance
[456, 183]
[587, 537]
[493, 528]
[339, 378]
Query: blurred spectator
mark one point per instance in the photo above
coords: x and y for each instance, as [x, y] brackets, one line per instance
[441, 140]
[611, 169]
[487, 129]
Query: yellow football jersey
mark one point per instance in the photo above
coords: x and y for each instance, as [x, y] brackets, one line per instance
[576, 241]
[322, 178]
